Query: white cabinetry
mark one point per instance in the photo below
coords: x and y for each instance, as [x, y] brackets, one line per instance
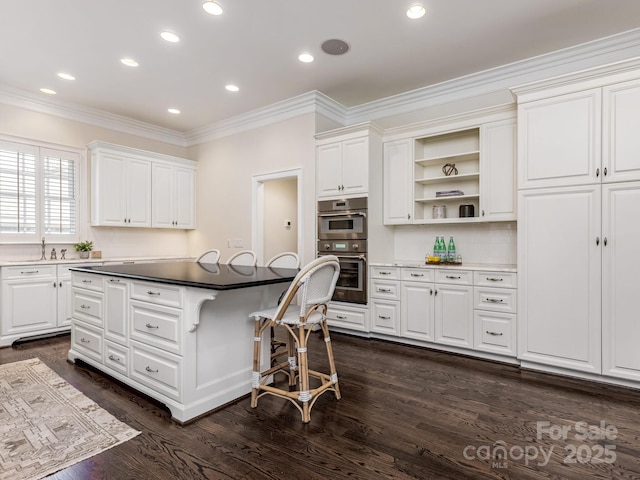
[473, 156]
[173, 204]
[454, 308]
[385, 300]
[342, 160]
[36, 299]
[579, 181]
[494, 314]
[417, 308]
[134, 188]
[121, 190]
[348, 316]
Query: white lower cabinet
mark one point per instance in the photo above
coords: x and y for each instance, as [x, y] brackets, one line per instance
[347, 316]
[440, 306]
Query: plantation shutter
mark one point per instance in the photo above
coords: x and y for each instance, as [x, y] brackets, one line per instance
[59, 170]
[18, 188]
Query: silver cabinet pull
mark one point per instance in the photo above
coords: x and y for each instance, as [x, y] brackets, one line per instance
[453, 277]
[597, 172]
[114, 358]
[148, 325]
[86, 281]
[492, 279]
[150, 370]
[605, 171]
[114, 280]
[385, 273]
[495, 334]
[494, 300]
[28, 272]
[383, 317]
[417, 274]
[84, 340]
[153, 293]
[384, 290]
[85, 307]
[341, 317]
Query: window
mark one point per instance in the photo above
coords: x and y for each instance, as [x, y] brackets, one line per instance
[38, 193]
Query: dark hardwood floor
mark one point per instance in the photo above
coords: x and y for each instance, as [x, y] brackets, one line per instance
[406, 412]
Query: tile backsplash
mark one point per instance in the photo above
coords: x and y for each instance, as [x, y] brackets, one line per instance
[494, 243]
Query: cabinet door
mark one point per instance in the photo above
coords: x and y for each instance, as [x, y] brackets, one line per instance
[355, 166]
[163, 193]
[398, 182]
[116, 313]
[385, 317]
[184, 198]
[139, 193]
[620, 267]
[559, 140]
[29, 305]
[497, 171]
[454, 315]
[416, 310]
[559, 275]
[109, 193]
[329, 169]
[621, 142]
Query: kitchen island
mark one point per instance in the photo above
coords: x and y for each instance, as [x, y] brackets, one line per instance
[179, 332]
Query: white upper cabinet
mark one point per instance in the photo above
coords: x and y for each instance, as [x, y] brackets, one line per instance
[134, 188]
[398, 185]
[621, 138]
[121, 191]
[498, 171]
[468, 161]
[173, 190]
[343, 167]
[559, 140]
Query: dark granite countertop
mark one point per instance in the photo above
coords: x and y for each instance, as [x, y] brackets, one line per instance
[193, 274]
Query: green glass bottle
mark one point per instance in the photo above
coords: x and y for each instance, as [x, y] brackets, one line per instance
[442, 251]
[451, 251]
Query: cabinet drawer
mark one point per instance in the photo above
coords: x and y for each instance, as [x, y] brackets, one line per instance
[495, 332]
[495, 299]
[90, 281]
[417, 274]
[495, 279]
[347, 318]
[156, 325]
[158, 293]
[87, 340]
[28, 271]
[385, 289]
[87, 306]
[385, 317]
[116, 357]
[461, 277]
[158, 370]
[389, 273]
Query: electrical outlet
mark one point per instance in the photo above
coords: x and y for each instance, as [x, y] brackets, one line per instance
[238, 243]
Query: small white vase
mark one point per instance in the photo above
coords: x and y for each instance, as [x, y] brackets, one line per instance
[83, 254]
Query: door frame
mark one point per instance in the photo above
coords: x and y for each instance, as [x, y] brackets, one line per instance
[257, 209]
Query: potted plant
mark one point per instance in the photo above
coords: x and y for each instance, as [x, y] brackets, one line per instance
[83, 248]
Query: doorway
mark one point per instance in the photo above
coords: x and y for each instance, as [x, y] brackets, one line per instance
[276, 214]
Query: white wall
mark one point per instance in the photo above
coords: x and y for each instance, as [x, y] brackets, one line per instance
[280, 206]
[113, 242]
[225, 169]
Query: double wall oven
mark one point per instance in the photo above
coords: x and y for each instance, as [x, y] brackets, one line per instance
[342, 231]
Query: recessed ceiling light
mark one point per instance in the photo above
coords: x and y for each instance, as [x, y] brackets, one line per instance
[305, 57]
[232, 88]
[48, 91]
[416, 11]
[175, 111]
[129, 62]
[212, 7]
[170, 37]
[66, 76]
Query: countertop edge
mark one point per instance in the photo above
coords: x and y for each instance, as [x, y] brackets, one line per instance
[465, 266]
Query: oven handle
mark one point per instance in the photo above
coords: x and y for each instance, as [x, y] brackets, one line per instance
[349, 257]
[344, 214]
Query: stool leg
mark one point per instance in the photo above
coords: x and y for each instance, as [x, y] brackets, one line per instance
[255, 380]
[291, 355]
[303, 374]
[332, 364]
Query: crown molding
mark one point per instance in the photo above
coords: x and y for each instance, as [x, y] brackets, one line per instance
[608, 50]
[28, 101]
[580, 57]
[310, 102]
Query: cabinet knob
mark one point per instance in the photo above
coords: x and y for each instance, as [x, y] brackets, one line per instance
[597, 172]
[597, 241]
[605, 171]
[604, 240]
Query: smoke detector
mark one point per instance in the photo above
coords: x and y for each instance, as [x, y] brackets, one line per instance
[335, 47]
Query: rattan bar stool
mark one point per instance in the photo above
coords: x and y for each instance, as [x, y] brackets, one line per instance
[314, 285]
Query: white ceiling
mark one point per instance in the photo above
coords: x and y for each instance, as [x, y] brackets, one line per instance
[255, 45]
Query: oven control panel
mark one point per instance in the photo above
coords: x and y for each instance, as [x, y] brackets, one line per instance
[342, 246]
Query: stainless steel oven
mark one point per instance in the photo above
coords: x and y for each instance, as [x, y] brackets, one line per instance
[342, 219]
[352, 255]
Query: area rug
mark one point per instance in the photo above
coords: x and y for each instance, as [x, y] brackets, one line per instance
[47, 425]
